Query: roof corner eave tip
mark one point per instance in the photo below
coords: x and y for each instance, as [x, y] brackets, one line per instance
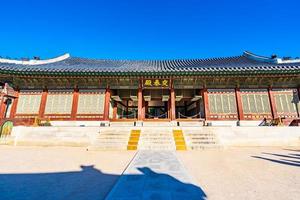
[36, 62]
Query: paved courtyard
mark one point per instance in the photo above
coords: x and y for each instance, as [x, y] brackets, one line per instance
[74, 173]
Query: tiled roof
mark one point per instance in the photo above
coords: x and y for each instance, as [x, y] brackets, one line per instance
[243, 64]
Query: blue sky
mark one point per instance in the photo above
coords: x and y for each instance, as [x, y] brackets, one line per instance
[149, 29]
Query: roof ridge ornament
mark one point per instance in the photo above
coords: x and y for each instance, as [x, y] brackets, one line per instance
[35, 62]
[273, 59]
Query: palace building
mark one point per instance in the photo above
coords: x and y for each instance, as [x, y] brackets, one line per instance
[245, 87]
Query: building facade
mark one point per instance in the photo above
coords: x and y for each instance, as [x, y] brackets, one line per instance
[246, 87]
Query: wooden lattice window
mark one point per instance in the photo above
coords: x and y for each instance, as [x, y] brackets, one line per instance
[91, 102]
[29, 102]
[287, 101]
[59, 102]
[222, 102]
[255, 101]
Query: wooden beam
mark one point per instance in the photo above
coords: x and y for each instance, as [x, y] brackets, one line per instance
[75, 104]
[272, 103]
[205, 103]
[14, 105]
[239, 104]
[106, 104]
[43, 103]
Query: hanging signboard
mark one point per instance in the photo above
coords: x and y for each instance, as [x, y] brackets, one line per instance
[156, 83]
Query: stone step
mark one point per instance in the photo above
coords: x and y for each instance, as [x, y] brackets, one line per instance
[110, 143]
[204, 147]
[202, 143]
[156, 148]
[198, 134]
[112, 137]
[113, 133]
[95, 148]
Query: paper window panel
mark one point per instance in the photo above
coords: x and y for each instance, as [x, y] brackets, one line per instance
[28, 104]
[255, 103]
[232, 103]
[219, 104]
[245, 103]
[266, 103]
[222, 103]
[286, 100]
[225, 103]
[259, 103]
[91, 103]
[212, 106]
[59, 103]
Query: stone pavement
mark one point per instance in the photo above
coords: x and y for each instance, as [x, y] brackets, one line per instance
[156, 175]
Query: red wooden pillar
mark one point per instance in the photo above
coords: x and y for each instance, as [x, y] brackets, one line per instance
[2, 107]
[106, 104]
[75, 104]
[140, 104]
[14, 105]
[239, 104]
[43, 103]
[272, 103]
[173, 106]
[115, 110]
[205, 103]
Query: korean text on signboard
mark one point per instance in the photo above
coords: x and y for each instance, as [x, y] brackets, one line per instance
[160, 83]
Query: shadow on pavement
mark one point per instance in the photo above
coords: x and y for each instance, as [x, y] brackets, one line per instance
[286, 159]
[89, 183]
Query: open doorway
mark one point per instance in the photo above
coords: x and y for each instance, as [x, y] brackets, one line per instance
[189, 104]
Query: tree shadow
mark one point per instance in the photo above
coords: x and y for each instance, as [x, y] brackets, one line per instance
[91, 183]
[286, 159]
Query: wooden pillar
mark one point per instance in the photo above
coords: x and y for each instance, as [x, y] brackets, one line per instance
[106, 104]
[43, 103]
[140, 104]
[272, 103]
[169, 109]
[2, 107]
[75, 104]
[115, 110]
[239, 104]
[173, 106]
[14, 106]
[205, 103]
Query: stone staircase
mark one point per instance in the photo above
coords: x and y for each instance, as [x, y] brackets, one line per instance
[134, 139]
[156, 138]
[197, 139]
[179, 140]
[111, 139]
